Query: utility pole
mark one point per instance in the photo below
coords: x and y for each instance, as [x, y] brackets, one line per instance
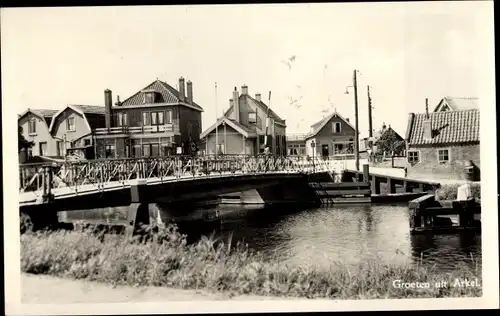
[216, 124]
[370, 132]
[356, 132]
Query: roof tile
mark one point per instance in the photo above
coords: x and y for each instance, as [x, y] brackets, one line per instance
[451, 127]
[167, 94]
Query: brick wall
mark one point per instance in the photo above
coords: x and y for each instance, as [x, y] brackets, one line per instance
[428, 166]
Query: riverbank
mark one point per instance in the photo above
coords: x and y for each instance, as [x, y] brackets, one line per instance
[221, 269]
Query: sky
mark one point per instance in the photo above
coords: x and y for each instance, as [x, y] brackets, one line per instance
[406, 52]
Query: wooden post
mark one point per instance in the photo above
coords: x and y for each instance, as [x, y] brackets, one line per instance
[407, 187]
[366, 173]
[375, 185]
[421, 187]
[391, 187]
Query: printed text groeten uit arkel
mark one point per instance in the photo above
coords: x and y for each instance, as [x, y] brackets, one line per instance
[399, 284]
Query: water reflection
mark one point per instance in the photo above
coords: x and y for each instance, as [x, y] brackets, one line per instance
[346, 234]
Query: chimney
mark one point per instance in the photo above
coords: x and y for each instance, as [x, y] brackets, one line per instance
[190, 92]
[231, 103]
[426, 108]
[244, 90]
[236, 104]
[347, 119]
[258, 97]
[182, 94]
[108, 101]
[427, 122]
[118, 103]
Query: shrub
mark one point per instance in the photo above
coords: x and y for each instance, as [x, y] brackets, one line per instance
[449, 191]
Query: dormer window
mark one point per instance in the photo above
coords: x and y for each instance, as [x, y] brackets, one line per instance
[149, 97]
[252, 117]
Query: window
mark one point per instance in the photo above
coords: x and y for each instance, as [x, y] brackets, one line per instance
[160, 118]
[86, 142]
[413, 157]
[32, 126]
[119, 120]
[149, 97]
[443, 155]
[302, 150]
[70, 124]
[125, 119]
[336, 127]
[252, 117]
[146, 118]
[146, 152]
[110, 151]
[169, 117]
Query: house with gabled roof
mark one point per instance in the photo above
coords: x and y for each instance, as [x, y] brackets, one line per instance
[444, 143]
[457, 104]
[72, 129]
[247, 127]
[157, 120]
[332, 136]
[34, 124]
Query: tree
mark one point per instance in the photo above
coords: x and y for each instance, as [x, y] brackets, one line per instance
[390, 142]
[23, 143]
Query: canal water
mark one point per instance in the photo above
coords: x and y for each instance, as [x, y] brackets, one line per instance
[349, 235]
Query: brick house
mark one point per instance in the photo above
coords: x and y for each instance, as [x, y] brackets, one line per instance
[242, 129]
[34, 125]
[443, 143]
[158, 120]
[72, 129]
[333, 136]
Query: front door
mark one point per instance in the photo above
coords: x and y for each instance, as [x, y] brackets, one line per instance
[324, 150]
[43, 149]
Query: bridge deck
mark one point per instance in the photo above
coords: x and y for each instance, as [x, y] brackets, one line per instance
[35, 197]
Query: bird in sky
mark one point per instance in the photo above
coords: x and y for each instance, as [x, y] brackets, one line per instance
[289, 62]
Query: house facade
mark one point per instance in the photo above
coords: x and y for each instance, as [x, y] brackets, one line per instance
[244, 126]
[333, 136]
[296, 145]
[34, 125]
[72, 129]
[158, 120]
[444, 143]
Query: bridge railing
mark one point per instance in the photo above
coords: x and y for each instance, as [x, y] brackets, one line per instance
[43, 178]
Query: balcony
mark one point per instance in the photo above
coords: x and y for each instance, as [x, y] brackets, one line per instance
[136, 129]
[296, 137]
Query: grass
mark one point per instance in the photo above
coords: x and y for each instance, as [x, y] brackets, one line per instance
[449, 191]
[165, 259]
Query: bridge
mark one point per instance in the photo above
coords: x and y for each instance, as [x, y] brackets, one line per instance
[137, 182]
[46, 182]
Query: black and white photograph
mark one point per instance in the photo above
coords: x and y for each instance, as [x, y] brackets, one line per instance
[249, 158]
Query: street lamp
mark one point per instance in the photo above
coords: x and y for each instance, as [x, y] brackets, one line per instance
[356, 131]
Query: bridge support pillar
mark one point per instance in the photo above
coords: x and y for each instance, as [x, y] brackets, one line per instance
[138, 212]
